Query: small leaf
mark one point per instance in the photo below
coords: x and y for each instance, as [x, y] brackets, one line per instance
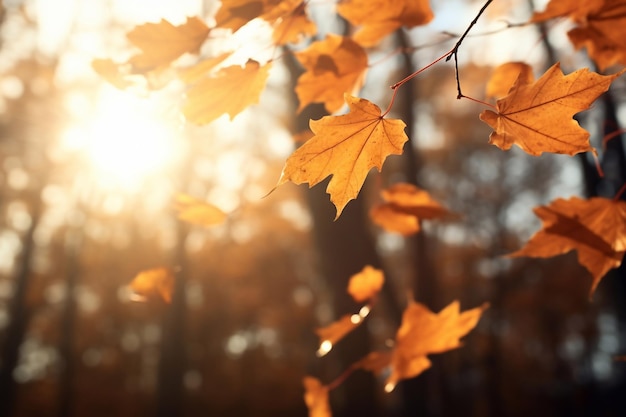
[366, 284]
[291, 22]
[537, 117]
[316, 397]
[595, 228]
[113, 73]
[334, 66]
[194, 211]
[346, 147]
[230, 91]
[153, 283]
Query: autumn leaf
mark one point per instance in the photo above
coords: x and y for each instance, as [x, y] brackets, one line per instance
[161, 43]
[113, 73]
[337, 330]
[505, 75]
[378, 18]
[537, 117]
[601, 27]
[230, 91]
[316, 397]
[194, 211]
[203, 68]
[423, 332]
[404, 208]
[364, 285]
[153, 283]
[233, 14]
[595, 228]
[292, 22]
[346, 147]
[334, 66]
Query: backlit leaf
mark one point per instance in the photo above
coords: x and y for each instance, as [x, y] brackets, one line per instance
[595, 228]
[194, 211]
[336, 331]
[538, 117]
[505, 75]
[404, 208]
[316, 397]
[334, 66]
[291, 22]
[346, 147]
[233, 14]
[230, 91]
[153, 283]
[378, 18]
[366, 284]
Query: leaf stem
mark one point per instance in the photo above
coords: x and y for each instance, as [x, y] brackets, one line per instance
[618, 195]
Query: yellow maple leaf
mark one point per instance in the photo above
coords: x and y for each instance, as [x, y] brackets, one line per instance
[595, 228]
[537, 117]
[346, 147]
[230, 91]
[194, 211]
[161, 43]
[378, 18]
[334, 66]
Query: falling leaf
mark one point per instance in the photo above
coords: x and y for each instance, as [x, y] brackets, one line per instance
[378, 18]
[595, 228]
[316, 397]
[113, 73]
[375, 362]
[230, 91]
[346, 147]
[195, 73]
[405, 206]
[423, 332]
[161, 43]
[505, 75]
[601, 27]
[194, 211]
[334, 66]
[366, 284]
[233, 14]
[291, 22]
[334, 332]
[537, 117]
[153, 283]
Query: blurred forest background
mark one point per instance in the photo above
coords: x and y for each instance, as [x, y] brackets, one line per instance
[88, 175]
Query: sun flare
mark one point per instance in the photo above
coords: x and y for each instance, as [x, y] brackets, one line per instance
[125, 140]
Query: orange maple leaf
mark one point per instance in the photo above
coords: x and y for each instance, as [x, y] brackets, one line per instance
[230, 91]
[595, 228]
[378, 18]
[364, 285]
[161, 43]
[405, 206]
[346, 147]
[203, 68]
[233, 14]
[601, 27]
[192, 210]
[291, 22]
[423, 332]
[537, 117]
[153, 283]
[316, 397]
[334, 332]
[334, 66]
[505, 75]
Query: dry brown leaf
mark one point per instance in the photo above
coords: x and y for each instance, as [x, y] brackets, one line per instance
[161, 43]
[378, 18]
[404, 208]
[346, 147]
[230, 91]
[334, 66]
[505, 75]
[537, 117]
[316, 397]
[423, 332]
[366, 284]
[595, 228]
[153, 283]
[194, 211]
[601, 27]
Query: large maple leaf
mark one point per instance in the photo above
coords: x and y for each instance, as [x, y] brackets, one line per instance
[334, 66]
[230, 91]
[538, 117]
[595, 228]
[404, 207]
[346, 147]
[161, 43]
[601, 27]
[378, 18]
